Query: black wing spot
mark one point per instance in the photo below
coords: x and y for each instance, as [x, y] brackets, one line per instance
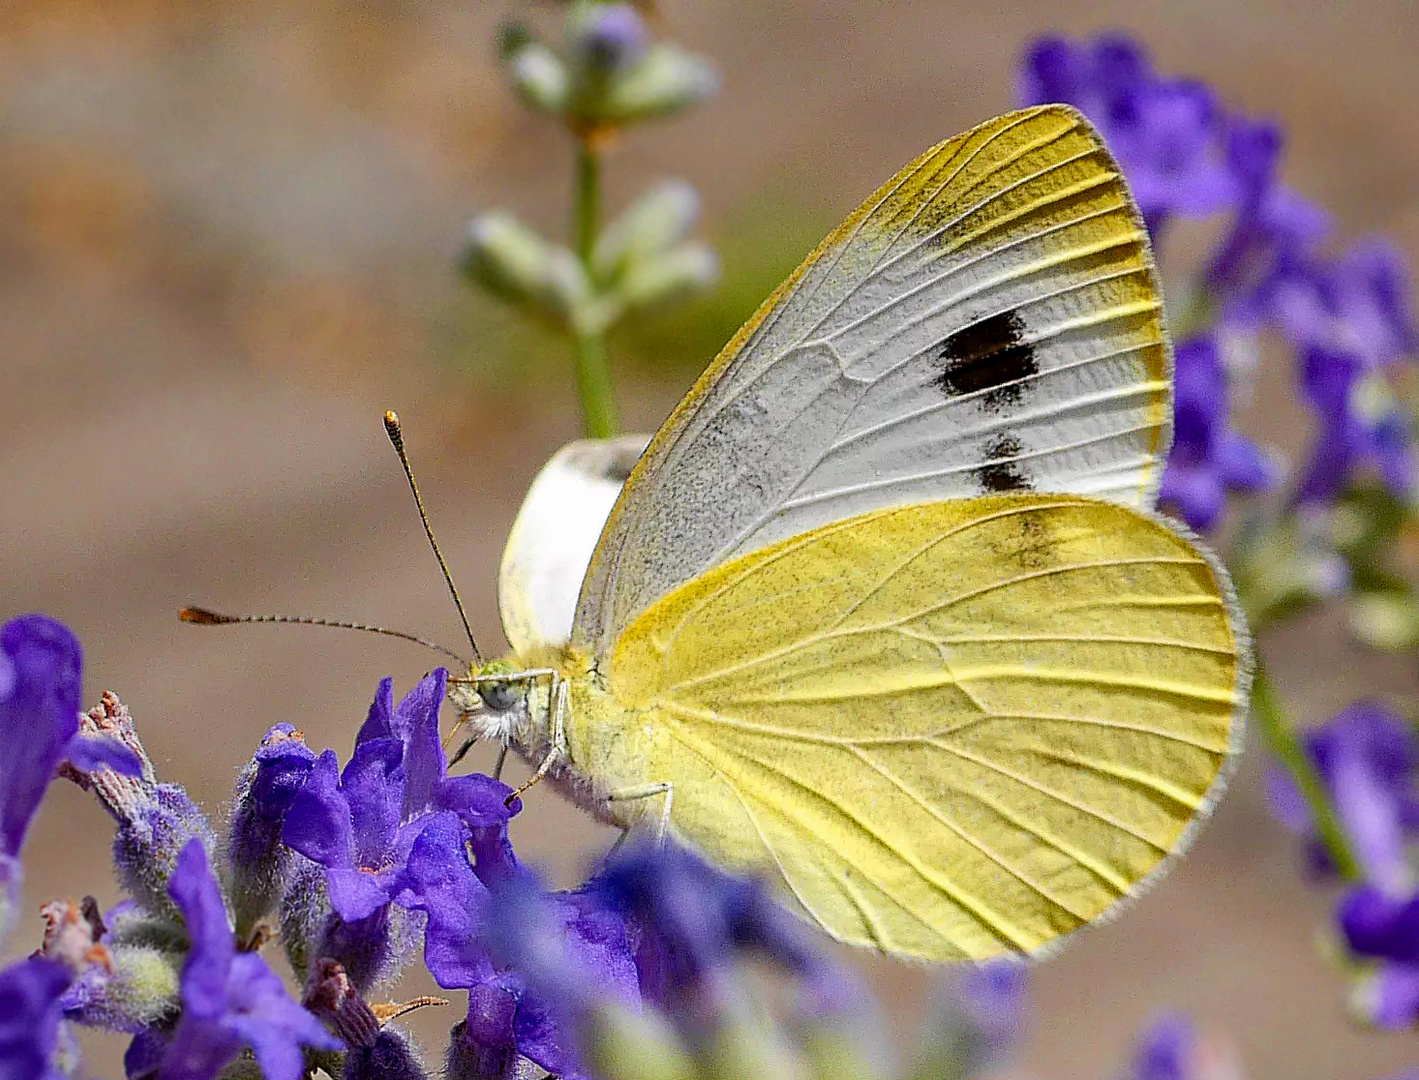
[999, 473]
[990, 355]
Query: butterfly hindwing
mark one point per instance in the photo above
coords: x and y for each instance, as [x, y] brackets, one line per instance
[987, 322]
[953, 729]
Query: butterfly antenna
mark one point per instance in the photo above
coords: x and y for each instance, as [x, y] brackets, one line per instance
[396, 438]
[205, 617]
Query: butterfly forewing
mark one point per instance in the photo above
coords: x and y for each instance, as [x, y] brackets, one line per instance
[988, 321]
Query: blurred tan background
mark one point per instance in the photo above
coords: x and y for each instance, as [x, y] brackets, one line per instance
[227, 243]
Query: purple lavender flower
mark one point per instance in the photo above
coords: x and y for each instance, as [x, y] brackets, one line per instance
[40, 666]
[30, 1018]
[1350, 321]
[230, 1000]
[1368, 760]
[360, 824]
[1347, 318]
[692, 921]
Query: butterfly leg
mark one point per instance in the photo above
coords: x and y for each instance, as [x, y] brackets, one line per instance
[556, 709]
[649, 791]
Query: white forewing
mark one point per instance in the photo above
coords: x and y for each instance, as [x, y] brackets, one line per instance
[988, 321]
[554, 535]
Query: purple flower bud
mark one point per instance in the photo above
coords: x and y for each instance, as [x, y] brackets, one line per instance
[127, 965]
[159, 822]
[372, 949]
[1380, 924]
[610, 37]
[1166, 1051]
[481, 1058]
[389, 1057]
[265, 790]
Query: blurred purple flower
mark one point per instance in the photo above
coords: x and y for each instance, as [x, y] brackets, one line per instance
[30, 1018]
[1165, 1051]
[1347, 318]
[1368, 760]
[40, 667]
[1209, 458]
[230, 1000]
[1367, 757]
[991, 997]
[1166, 133]
[692, 922]
[512, 1010]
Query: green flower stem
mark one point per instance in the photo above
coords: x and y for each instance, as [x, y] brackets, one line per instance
[593, 374]
[1280, 736]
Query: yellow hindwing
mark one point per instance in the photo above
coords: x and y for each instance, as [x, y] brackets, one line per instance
[955, 728]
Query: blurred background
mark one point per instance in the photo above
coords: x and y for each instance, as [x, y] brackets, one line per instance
[228, 242]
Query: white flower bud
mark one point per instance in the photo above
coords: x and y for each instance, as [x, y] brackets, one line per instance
[666, 80]
[540, 77]
[671, 275]
[661, 218]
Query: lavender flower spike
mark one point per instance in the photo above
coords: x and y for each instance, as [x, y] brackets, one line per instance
[40, 667]
[230, 1000]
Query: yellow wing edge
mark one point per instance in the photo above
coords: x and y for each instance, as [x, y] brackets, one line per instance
[1246, 674]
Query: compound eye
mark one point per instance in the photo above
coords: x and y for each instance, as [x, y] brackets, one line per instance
[498, 696]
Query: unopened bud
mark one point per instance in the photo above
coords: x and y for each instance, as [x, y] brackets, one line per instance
[264, 791]
[607, 37]
[130, 989]
[509, 259]
[540, 77]
[666, 80]
[677, 273]
[659, 219]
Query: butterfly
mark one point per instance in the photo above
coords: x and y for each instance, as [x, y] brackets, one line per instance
[884, 610]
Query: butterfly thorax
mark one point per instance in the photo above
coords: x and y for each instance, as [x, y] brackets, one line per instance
[595, 727]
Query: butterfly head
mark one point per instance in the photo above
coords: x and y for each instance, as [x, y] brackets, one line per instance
[492, 700]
